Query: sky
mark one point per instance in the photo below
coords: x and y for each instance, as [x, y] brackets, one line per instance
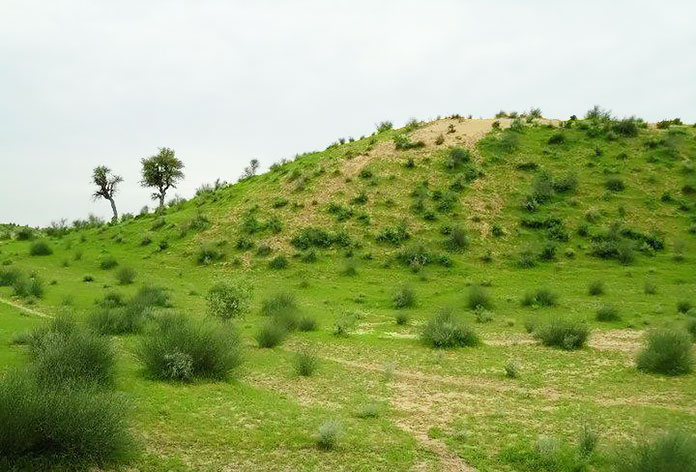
[86, 83]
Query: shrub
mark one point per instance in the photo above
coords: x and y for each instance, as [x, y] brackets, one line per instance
[125, 275]
[512, 370]
[608, 313]
[540, 297]
[209, 253]
[457, 240]
[404, 297]
[684, 306]
[394, 235]
[306, 362]
[457, 157]
[40, 248]
[178, 348]
[446, 330]
[271, 334]
[278, 262]
[562, 333]
[666, 352]
[227, 300]
[8, 276]
[344, 324]
[108, 263]
[68, 423]
[283, 308]
[350, 268]
[557, 138]
[118, 319]
[596, 288]
[73, 357]
[478, 297]
[614, 184]
[31, 286]
[401, 318]
[402, 142]
[150, 295]
[368, 410]
[307, 323]
[691, 327]
[329, 434]
[24, 234]
[674, 451]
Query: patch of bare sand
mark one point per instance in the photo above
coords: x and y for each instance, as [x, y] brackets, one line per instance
[624, 340]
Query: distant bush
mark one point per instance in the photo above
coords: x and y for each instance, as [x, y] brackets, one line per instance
[512, 370]
[607, 313]
[24, 234]
[306, 323]
[417, 257]
[329, 434]
[626, 127]
[404, 297]
[271, 334]
[62, 424]
[28, 286]
[666, 352]
[674, 451]
[562, 333]
[384, 126]
[209, 253]
[228, 300]
[401, 318]
[283, 307]
[403, 142]
[394, 235]
[457, 157]
[306, 362]
[125, 275]
[446, 330]
[8, 276]
[478, 297]
[596, 288]
[278, 262]
[557, 138]
[691, 327]
[684, 306]
[614, 184]
[108, 263]
[540, 297]
[40, 248]
[119, 319]
[179, 348]
[457, 240]
[344, 324]
[65, 353]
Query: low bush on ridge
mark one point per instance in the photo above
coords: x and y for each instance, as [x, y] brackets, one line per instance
[667, 352]
[562, 333]
[446, 330]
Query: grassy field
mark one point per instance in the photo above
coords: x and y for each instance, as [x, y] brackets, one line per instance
[609, 207]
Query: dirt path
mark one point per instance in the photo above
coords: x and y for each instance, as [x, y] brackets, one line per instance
[25, 309]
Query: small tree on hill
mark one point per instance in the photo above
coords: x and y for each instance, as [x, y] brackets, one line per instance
[161, 171]
[106, 183]
[251, 169]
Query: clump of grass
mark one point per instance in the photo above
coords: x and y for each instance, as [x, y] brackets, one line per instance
[478, 297]
[108, 263]
[344, 324]
[691, 328]
[404, 297]
[209, 253]
[306, 323]
[227, 300]
[540, 297]
[596, 288]
[401, 318]
[282, 307]
[683, 306]
[674, 451]
[329, 434]
[368, 410]
[446, 330]
[614, 184]
[125, 275]
[607, 313]
[587, 442]
[40, 248]
[562, 333]
[512, 369]
[278, 262]
[8, 276]
[271, 334]
[667, 352]
[457, 240]
[350, 268]
[306, 362]
[63, 424]
[177, 348]
[28, 286]
[650, 287]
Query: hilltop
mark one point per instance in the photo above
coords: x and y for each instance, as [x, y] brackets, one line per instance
[510, 223]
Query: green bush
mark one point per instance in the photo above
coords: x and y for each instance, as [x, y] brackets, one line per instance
[512, 370]
[614, 184]
[67, 424]
[667, 352]
[683, 306]
[278, 262]
[66, 353]
[674, 451]
[540, 297]
[271, 334]
[404, 297]
[691, 327]
[596, 288]
[125, 275]
[306, 362]
[31, 286]
[179, 348]
[650, 287]
[118, 319]
[307, 323]
[607, 313]
[402, 318]
[108, 263]
[227, 300]
[478, 297]
[209, 253]
[446, 330]
[8, 276]
[329, 434]
[40, 248]
[457, 240]
[562, 333]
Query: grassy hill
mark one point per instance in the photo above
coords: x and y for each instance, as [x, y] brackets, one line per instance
[523, 229]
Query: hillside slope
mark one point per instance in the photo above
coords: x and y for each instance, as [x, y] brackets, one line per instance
[449, 208]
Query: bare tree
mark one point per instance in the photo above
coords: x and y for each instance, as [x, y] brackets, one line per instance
[251, 169]
[106, 183]
[162, 171]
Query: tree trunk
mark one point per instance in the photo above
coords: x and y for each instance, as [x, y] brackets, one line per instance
[161, 199]
[113, 208]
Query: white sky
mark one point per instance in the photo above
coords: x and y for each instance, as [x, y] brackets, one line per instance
[84, 83]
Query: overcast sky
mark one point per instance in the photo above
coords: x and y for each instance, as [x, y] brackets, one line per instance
[84, 83]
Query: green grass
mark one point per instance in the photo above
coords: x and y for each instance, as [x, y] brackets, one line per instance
[264, 415]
